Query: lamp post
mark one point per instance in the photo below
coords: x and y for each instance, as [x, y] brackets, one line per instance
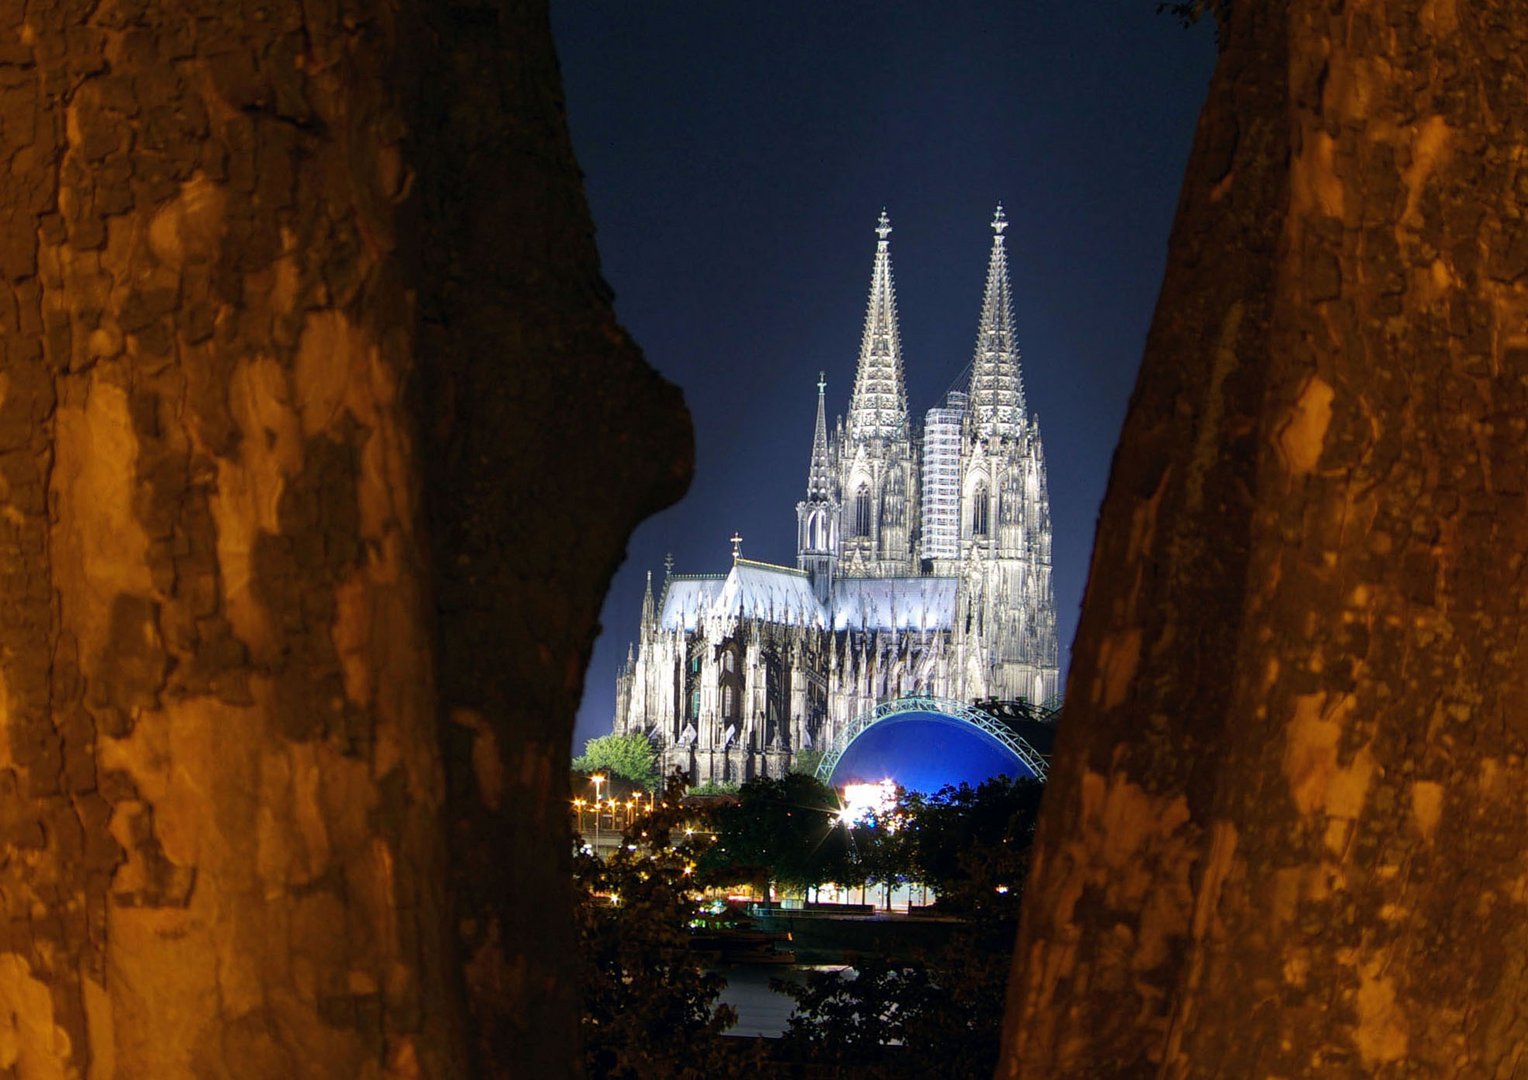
[599, 780]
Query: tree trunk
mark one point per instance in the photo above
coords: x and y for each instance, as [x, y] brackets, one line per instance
[548, 439]
[1285, 832]
[221, 782]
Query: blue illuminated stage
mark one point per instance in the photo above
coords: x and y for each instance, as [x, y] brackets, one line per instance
[925, 743]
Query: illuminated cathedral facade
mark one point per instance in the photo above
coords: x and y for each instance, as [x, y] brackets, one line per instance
[923, 566]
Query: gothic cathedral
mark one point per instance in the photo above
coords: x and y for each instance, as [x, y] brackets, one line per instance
[923, 567]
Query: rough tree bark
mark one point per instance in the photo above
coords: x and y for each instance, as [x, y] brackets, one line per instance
[222, 783]
[1286, 830]
[526, 376]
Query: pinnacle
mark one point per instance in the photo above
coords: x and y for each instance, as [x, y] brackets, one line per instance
[819, 483]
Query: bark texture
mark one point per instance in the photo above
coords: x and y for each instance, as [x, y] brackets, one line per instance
[1286, 832]
[548, 439]
[222, 792]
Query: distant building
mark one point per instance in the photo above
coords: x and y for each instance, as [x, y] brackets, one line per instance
[921, 568]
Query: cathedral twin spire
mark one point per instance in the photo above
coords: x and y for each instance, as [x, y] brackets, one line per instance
[997, 388]
[878, 409]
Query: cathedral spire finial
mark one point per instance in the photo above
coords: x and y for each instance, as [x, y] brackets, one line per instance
[997, 387]
[878, 408]
[737, 547]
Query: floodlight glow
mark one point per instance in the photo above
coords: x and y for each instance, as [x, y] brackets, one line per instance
[864, 800]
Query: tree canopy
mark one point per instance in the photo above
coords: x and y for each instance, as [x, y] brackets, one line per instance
[780, 830]
[972, 844]
[631, 757]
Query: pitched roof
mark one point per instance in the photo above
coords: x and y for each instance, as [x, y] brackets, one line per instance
[686, 597]
[776, 594]
[894, 603]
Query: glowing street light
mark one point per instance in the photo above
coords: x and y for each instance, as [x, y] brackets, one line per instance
[598, 779]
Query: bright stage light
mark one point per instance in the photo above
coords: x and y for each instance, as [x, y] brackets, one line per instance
[862, 800]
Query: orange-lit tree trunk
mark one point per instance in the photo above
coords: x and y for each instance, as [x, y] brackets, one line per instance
[1286, 833]
[222, 783]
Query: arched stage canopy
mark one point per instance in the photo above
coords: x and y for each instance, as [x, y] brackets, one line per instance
[924, 743]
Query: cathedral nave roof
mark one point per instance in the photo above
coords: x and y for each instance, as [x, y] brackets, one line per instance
[894, 603]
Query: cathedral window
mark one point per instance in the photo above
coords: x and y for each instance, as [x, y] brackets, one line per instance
[728, 662]
[979, 511]
[695, 664]
[862, 511]
[694, 704]
[727, 701]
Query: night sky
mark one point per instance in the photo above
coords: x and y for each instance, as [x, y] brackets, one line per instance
[736, 157]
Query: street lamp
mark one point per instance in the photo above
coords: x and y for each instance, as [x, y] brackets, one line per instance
[578, 805]
[598, 780]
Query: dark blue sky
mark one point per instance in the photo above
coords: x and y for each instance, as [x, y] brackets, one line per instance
[736, 156]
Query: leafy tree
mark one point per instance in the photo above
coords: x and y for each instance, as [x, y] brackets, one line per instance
[631, 757]
[649, 1009]
[715, 787]
[806, 762]
[883, 845]
[972, 844]
[779, 830]
[939, 1015]
[1189, 12]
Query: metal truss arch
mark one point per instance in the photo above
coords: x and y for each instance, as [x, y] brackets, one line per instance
[939, 706]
